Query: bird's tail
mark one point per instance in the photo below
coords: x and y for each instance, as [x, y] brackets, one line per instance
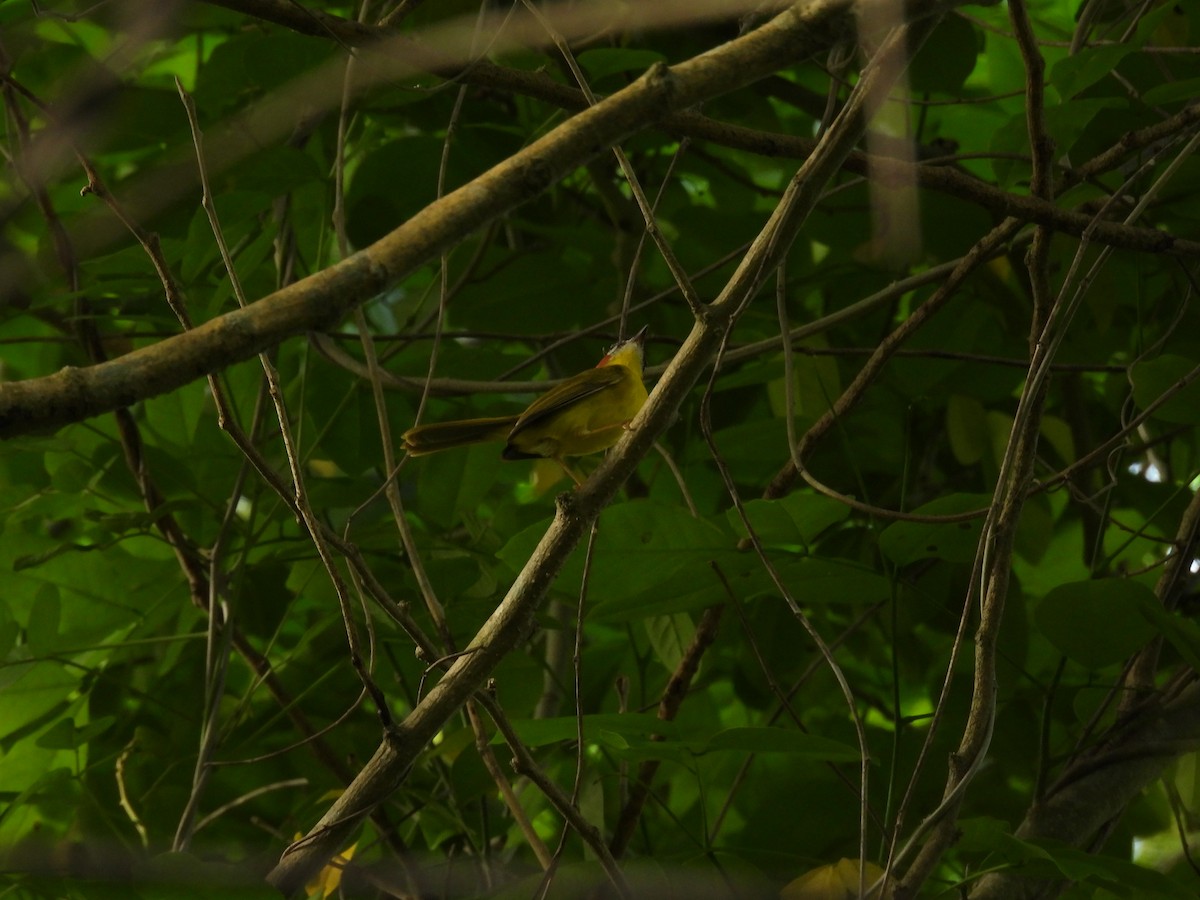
[445, 435]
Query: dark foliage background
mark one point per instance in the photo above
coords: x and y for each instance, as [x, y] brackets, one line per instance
[179, 702]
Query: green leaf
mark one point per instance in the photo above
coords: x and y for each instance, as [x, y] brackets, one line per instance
[104, 660]
[540, 732]
[44, 617]
[966, 425]
[1153, 378]
[1183, 634]
[816, 383]
[1073, 74]
[9, 632]
[795, 520]
[641, 544]
[515, 298]
[603, 61]
[1065, 122]
[981, 834]
[811, 581]
[811, 747]
[146, 115]
[59, 736]
[64, 734]
[906, 542]
[1040, 858]
[399, 177]
[1121, 875]
[1057, 433]
[947, 58]
[276, 170]
[72, 476]
[1172, 92]
[1096, 623]
[175, 416]
[35, 695]
[781, 740]
[670, 636]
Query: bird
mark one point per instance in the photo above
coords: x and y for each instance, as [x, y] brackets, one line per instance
[583, 414]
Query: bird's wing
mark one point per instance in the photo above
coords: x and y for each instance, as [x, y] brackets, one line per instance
[568, 393]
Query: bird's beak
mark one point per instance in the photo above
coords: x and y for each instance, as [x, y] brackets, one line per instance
[640, 337]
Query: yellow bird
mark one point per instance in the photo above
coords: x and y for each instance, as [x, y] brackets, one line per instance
[584, 414]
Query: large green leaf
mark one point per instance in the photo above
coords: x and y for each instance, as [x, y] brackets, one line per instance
[539, 732]
[1155, 377]
[947, 57]
[904, 542]
[1096, 623]
[640, 544]
[811, 581]
[602, 61]
[797, 519]
[160, 602]
[781, 740]
[1081, 70]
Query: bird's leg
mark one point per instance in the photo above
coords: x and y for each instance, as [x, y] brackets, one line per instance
[570, 472]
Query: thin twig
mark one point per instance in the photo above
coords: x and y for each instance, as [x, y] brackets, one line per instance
[361, 667]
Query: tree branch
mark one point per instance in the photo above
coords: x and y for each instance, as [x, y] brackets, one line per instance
[576, 512]
[321, 300]
[1097, 788]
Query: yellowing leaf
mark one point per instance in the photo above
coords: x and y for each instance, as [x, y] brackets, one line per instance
[837, 881]
[1001, 268]
[325, 468]
[545, 475]
[329, 878]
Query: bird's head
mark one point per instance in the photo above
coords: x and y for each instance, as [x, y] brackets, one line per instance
[629, 353]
